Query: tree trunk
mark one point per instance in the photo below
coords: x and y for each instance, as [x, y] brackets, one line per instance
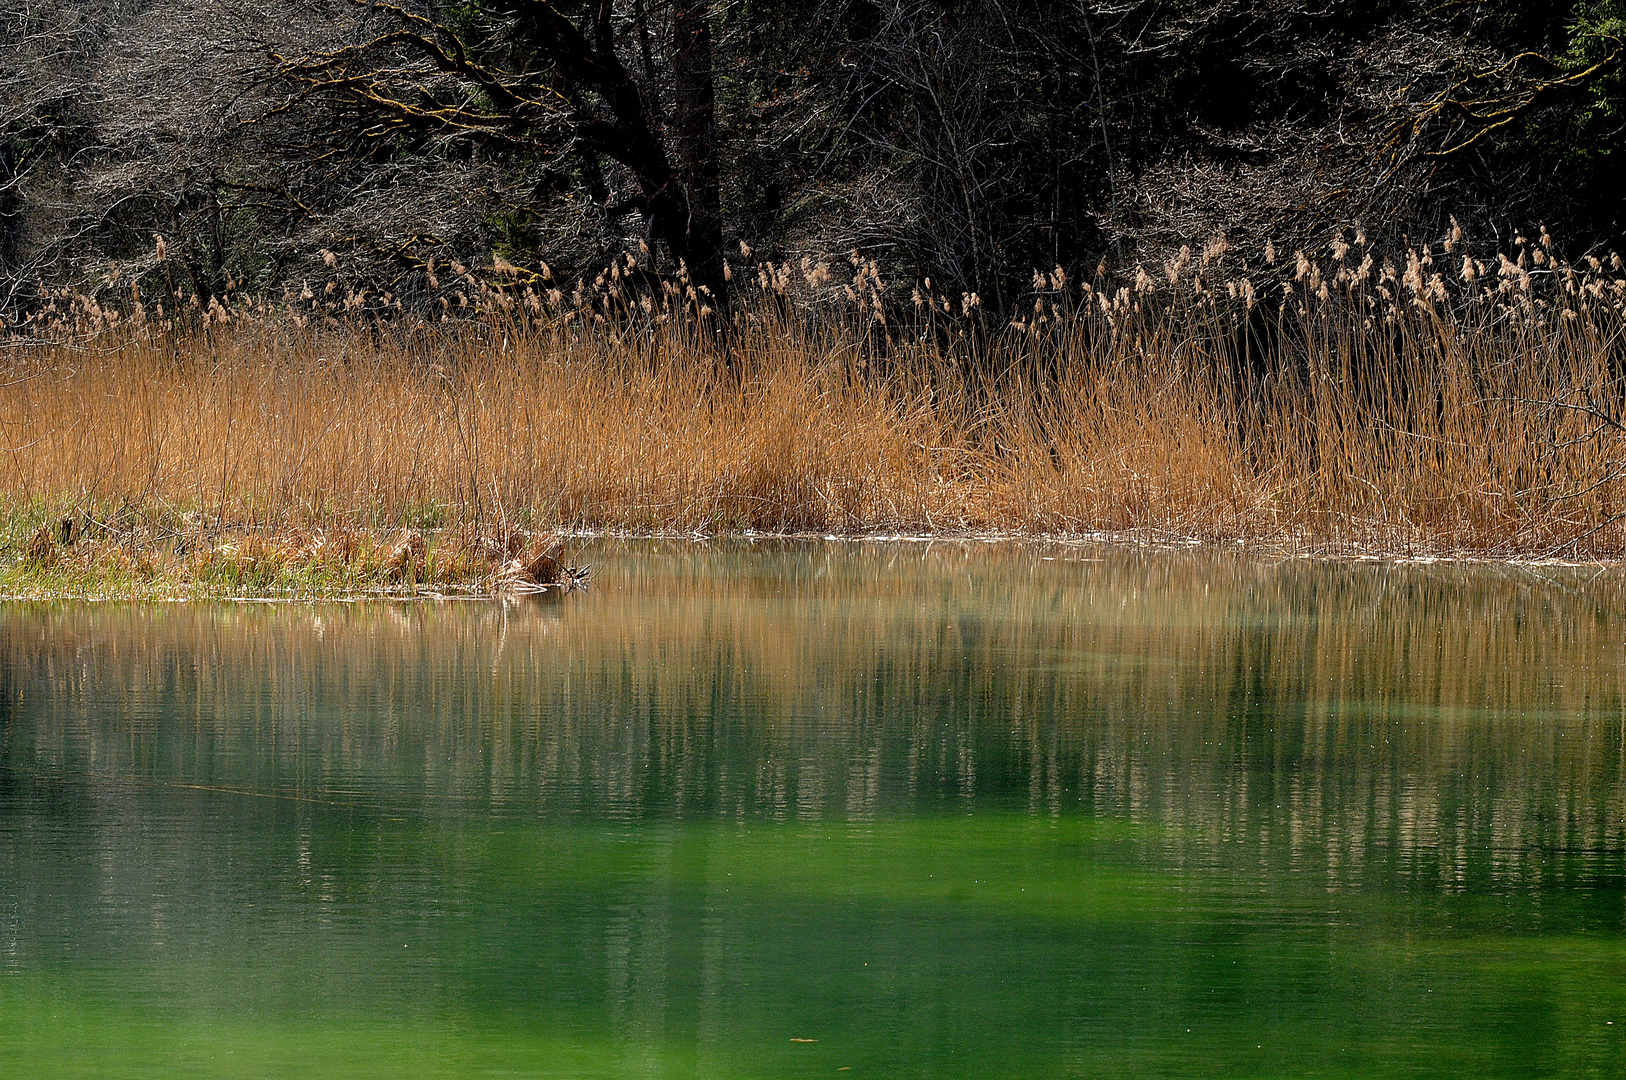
[694, 129]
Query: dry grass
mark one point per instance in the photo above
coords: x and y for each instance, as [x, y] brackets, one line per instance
[139, 559]
[1450, 409]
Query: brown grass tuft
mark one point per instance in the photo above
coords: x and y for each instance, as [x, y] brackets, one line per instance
[405, 560]
[539, 564]
[41, 548]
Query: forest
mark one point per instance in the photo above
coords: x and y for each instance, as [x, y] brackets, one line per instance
[969, 141]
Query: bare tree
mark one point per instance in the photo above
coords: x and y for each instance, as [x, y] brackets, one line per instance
[522, 82]
[46, 49]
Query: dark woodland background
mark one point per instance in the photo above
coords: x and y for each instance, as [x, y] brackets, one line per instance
[272, 143]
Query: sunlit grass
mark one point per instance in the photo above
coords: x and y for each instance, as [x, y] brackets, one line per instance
[1354, 407]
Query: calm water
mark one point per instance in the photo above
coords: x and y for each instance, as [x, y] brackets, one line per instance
[818, 811]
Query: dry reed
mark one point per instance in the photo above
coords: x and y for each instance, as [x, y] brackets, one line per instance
[1471, 407]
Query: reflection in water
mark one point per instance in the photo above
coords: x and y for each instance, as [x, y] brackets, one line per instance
[953, 809]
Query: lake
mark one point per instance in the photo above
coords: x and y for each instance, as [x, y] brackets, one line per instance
[828, 810]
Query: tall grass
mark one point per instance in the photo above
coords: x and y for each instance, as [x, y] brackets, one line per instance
[1443, 405]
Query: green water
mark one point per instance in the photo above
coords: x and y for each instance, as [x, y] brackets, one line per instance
[827, 810]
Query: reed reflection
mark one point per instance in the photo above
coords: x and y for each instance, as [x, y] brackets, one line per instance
[1462, 720]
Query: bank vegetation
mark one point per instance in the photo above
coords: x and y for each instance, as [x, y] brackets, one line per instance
[1441, 402]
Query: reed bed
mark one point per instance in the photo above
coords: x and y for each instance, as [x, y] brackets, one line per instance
[1439, 403]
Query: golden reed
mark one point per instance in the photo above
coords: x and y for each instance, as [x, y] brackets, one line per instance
[1447, 405]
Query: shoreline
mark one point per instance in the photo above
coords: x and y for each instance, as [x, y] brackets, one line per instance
[105, 583]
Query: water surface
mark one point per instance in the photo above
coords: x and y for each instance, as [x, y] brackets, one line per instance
[798, 810]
